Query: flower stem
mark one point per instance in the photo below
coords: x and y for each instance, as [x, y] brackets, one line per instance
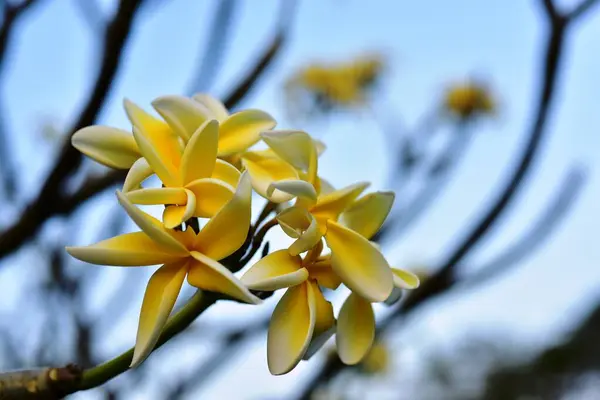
[102, 373]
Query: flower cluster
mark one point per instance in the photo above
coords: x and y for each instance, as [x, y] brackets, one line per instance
[469, 99]
[205, 159]
[330, 86]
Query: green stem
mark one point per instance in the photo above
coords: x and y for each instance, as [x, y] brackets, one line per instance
[102, 373]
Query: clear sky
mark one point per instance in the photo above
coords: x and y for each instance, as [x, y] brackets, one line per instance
[428, 44]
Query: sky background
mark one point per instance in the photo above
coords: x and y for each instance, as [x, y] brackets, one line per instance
[427, 45]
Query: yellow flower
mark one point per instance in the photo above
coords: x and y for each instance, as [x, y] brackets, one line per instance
[182, 254]
[343, 84]
[118, 149]
[377, 360]
[469, 99]
[302, 315]
[182, 152]
[315, 214]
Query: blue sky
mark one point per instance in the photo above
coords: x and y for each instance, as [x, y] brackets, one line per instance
[428, 44]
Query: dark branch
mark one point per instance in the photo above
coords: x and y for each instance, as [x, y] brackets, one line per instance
[49, 198]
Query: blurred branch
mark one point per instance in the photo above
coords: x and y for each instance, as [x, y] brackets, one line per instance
[40, 210]
[445, 278]
[48, 200]
[11, 14]
[438, 173]
[555, 370]
[545, 225]
[231, 344]
[264, 62]
[91, 13]
[212, 57]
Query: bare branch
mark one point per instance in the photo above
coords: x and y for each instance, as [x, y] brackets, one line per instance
[583, 8]
[545, 225]
[48, 199]
[212, 57]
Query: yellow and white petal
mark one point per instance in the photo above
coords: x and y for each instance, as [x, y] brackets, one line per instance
[304, 191]
[160, 136]
[404, 279]
[112, 147]
[320, 146]
[324, 322]
[138, 173]
[152, 227]
[159, 299]
[368, 213]
[325, 187]
[208, 274]
[200, 153]
[183, 114]
[295, 147]
[359, 264]
[226, 172]
[164, 195]
[355, 329]
[175, 215]
[277, 270]
[291, 329]
[264, 170]
[330, 206]
[242, 129]
[298, 223]
[217, 109]
[166, 171]
[128, 250]
[323, 273]
[227, 230]
[211, 195]
[324, 310]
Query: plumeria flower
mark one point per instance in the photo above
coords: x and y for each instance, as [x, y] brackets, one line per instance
[118, 149]
[302, 315]
[183, 254]
[314, 215]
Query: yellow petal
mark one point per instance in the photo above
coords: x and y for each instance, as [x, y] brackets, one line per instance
[151, 196]
[217, 109]
[167, 173]
[291, 329]
[159, 299]
[226, 172]
[298, 223]
[323, 273]
[265, 170]
[129, 250]
[404, 279]
[183, 115]
[324, 310]
[325, 187]
[112, 147]
[242, 129]
[277, 270]
[152, 227]
[368, 213]
[330, 206]
[157, 133]
[200, 152]
[227, 230]
[208, 274]
[355, 329]
[138, 173]
[360, 265]
[175, 215]
[305, 191]
[295, 147]
[320, 146]
[211, 195]
[324, 322]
